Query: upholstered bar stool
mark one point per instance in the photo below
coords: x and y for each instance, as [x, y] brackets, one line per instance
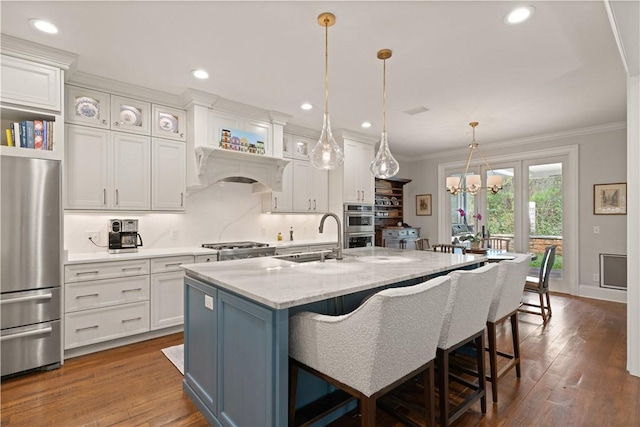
[389, 339]
[464, 322]
[512, 275]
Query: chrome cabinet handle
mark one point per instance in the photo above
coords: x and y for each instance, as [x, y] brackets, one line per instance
[131, 290]
[117, 198]
[80, 273]
[48, 295]
[315, 207]
[104, 196]
[309, 204]
[87, 328]
[131, 268]
[276, 203]
[87, 296]
[181, 199]
[131, 320]
[26, 334]
[174, 264]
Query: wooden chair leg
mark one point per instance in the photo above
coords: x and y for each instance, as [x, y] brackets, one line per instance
[493, 359]
[482, 380]
[548, 303]
[515, 335]
[542, 310]
[442, 359]
[293, 383]
[368, 405]
[429, 396]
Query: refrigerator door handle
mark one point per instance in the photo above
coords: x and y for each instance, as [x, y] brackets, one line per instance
[27, 334]
[48, 295]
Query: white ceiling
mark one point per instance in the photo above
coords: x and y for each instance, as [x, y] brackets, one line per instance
[559, 71]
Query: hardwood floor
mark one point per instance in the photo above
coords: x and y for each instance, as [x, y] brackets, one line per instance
[573, 374]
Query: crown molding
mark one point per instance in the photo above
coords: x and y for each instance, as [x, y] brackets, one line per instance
[302, 131]
[279, 118]
[197, 97]
[356, 136]
[115, 87]
[42, 54]
[526, 141]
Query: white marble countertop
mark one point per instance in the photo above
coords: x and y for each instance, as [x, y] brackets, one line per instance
[282, 284]
[330, 240]
[79, 258]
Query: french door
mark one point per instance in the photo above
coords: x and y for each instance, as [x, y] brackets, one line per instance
[536, 207]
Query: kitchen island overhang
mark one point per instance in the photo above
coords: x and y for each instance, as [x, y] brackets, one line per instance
[236, 322]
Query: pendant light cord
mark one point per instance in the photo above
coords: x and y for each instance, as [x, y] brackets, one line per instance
[326, 65]
[384, 95]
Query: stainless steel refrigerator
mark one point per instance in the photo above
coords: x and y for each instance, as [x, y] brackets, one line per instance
[30, 264]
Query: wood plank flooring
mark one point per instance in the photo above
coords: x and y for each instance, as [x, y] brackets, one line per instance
[573, 374]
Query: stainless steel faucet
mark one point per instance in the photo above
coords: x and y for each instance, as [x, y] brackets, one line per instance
[338, 250]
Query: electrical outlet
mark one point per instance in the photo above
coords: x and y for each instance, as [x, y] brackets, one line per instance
[174, 233]
[208, 302]
[94, 236]
[596, 277]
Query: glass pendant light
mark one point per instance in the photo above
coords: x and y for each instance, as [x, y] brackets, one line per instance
[326, 154]
[384, 165]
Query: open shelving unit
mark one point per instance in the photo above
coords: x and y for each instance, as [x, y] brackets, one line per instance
[389, 204]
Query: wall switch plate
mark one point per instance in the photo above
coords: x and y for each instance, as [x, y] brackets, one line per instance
[94, 236]
[596, 277]
[596, 229]
[208, 302]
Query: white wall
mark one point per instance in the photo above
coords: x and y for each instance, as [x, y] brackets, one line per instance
[223, 212]
[602, 159]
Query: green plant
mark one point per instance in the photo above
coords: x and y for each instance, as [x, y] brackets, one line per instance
[472, 237]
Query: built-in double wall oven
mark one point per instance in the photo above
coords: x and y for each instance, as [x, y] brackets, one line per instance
[359, 229]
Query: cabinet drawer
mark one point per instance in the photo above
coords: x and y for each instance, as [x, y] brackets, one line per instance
[103, 324]
[105, 270]
[207, 258]
[164, 265]
[395, 233]
[30, 84]
[106, 292]
[412, 232]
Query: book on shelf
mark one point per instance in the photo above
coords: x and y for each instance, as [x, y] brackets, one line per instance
[30, 134]
[38, 134]
[9, 137]
[35, 134]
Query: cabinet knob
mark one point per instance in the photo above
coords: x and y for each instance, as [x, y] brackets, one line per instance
[182, 135]
[104, 122]
[116, 123]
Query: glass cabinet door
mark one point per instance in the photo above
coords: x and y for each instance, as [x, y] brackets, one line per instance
[169, 123]
[87, 107]
[130, 115]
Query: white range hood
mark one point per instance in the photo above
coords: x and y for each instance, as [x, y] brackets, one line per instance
[216, 164]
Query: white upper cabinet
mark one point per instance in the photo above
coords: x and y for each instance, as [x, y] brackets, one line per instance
[169, 123]
[301, 147]
[30, 84]
[280, 201]
[168, 175]
[310, 188]
[359, 182]
[106, 170]
[130, 115]
[87, 107]
[230, 122]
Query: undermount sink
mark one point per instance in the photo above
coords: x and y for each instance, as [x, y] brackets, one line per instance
[307, 256]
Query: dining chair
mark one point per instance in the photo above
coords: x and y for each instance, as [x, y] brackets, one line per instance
[422, 244]
[540, 285]
[450, 249]
[390, 338]
[512, 275]
[464, 322]
[495, 243]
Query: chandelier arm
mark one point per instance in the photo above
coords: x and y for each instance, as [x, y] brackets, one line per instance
[466, 167]
[485, 160]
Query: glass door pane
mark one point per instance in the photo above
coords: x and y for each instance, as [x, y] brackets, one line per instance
[462, 208]
[500, 217]
[545, 211]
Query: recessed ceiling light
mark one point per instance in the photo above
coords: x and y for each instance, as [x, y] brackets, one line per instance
[44, 26]
[519, 15]
[306, 106]
[366, 124]
[200, 74]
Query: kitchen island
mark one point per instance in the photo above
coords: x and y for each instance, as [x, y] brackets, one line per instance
[237, 322]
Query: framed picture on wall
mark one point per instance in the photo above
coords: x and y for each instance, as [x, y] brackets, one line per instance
[610, 199]
[423, 205]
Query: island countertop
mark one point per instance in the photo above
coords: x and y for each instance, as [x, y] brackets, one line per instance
[282, 284]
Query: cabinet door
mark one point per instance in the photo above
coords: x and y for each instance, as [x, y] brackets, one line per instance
[287, 145]
[87, 107]
[131, 171]
[86, 168]
[301, 147]
[30, 84]
[168, 175]
[130, 115]
[351, 189]
[320, 200]
[169, 123]
[302, 186]
[167, 299]
[366, 180]
[282, 201]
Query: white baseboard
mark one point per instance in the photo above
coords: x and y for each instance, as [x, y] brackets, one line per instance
[81, 351]
[606, 294]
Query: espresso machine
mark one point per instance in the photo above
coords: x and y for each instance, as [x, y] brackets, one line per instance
[123, 236]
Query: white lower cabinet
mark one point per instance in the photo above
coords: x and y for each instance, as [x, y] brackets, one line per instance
[103, 324]
[167, 291]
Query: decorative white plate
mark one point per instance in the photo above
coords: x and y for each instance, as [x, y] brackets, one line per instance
[87, 107]
[130, 115]
[394, 201]
[168, 123]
